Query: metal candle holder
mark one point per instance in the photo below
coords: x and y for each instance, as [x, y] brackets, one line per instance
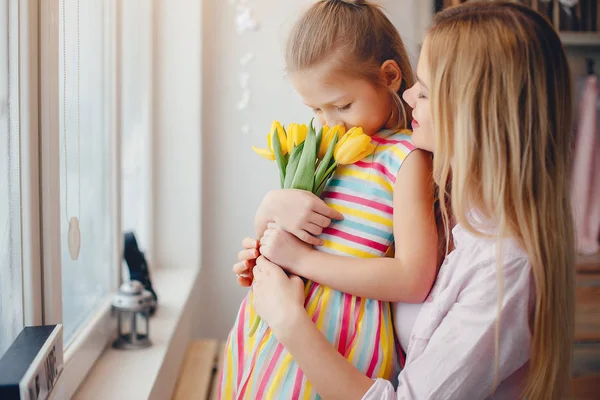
[132, 302]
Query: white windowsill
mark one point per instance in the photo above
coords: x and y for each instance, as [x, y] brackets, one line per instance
[150, 373]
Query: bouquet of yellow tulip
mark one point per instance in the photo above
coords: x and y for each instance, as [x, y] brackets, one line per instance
[307, 159]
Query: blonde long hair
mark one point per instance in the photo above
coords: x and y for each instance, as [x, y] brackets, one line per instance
[501, 107]
[359, 37]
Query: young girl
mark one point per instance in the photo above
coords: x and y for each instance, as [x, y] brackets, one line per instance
[348, 63]
[493, 101]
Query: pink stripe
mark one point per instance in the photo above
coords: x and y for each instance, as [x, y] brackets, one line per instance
[298, 384]
[345, 326]
[376, 166]
[384, 141]
[356, 239]
[315, 316]
[375, 358]
[359, 200]
[240, 341]
[408, 145]
[269, 371]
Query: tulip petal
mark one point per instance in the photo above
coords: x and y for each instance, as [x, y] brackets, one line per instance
[264, 153]
[291, 133]
[354, 146]
[302, 131]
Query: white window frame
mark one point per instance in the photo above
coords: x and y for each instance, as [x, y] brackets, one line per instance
[40, 181]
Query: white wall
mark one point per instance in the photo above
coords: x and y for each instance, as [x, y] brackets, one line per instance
[176, 123]
[234, 179]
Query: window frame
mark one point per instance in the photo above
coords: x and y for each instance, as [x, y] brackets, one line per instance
[39, 45]
[10, 13]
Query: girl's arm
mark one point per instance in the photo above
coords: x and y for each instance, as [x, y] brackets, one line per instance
[406, 278]
[457, 360]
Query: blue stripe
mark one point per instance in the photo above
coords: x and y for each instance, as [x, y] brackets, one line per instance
[359, 186]
[334, 304]
[352, 224]
[391, 161]
[290, 379]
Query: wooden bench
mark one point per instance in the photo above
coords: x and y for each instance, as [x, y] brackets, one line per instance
[199, 376]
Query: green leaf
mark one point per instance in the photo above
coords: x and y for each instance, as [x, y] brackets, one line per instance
[319, 190]
[278, 156]
[292, 166]
[319, 137]
[321, 183]
[325, 162]
[305, 173]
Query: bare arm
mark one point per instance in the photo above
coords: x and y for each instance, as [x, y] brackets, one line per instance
[409, 276]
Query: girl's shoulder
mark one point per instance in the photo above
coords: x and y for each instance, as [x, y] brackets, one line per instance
[392, 148]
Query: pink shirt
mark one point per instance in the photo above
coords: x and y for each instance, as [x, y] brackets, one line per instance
[451, 346]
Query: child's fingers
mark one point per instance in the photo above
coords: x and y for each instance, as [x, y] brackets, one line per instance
[272, 225]
[244, 281]
[248, 254]
[313, 229]
[249, 243]
[308, 238]
[327, 211]
[319, 220]
[240, 267]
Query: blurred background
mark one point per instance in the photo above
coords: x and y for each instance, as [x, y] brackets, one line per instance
[139, 116]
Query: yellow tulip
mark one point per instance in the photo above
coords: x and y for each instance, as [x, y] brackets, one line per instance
[296, 134]
[328, 135]
[352, 147]
[269, 153]
[264, 153]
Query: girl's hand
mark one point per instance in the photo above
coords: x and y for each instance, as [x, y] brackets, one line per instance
[296, 211]
[246, 262]
[283, 248]
[278, 299]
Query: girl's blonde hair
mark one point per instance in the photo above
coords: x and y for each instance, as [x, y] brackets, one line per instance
[501, 109]
[359, 37]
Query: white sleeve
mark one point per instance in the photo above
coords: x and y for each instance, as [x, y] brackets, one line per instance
[458, 360]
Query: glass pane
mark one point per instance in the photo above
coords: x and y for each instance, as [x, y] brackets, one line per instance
[85, 161]
[135, 144]
[11, 285]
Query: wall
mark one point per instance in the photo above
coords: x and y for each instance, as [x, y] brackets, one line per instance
[234, 179]
[176, 124]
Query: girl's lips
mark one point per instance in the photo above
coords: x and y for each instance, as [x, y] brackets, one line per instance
[415, 123]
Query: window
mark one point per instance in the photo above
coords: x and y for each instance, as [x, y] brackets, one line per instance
[85, 159]
[75, 79]
[11, 285]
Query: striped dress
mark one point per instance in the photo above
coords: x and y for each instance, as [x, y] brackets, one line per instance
[258, 367]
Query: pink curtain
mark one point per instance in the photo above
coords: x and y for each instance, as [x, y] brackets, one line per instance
[586, 171]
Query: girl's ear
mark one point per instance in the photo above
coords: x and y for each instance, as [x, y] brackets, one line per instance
[391, 74]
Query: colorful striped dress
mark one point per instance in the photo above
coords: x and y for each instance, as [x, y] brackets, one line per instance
[258, 367]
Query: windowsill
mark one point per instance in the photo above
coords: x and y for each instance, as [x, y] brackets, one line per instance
[150, 373]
